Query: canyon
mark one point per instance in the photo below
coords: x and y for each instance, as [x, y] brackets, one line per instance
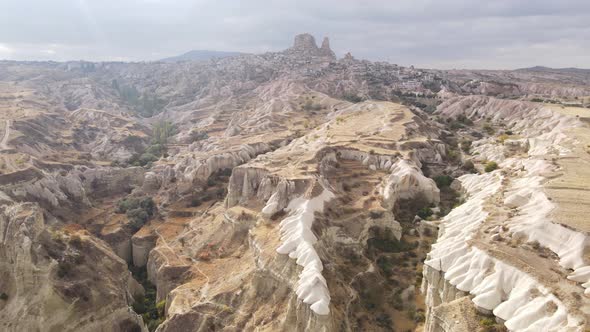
[292, 191]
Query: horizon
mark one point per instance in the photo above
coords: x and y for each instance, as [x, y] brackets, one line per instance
[453, 34]
[339, 56]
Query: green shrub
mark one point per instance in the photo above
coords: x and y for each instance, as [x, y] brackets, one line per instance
[146, 158]
[161, 307]
[127, 204]
[488, 129]
[138, 211]
[443, 181]
[161, 131]
[468, 166]
[502, 138]
[425, 212]
[138, 218]
[353, 98]
[452, 154]
[491, 166]
[466, 146]
[3, 296]
[487, 322]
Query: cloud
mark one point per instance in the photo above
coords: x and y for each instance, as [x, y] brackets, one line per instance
[427, 33]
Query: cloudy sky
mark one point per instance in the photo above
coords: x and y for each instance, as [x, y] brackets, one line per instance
[426, 33]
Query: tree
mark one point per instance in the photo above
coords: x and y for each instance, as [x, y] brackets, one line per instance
[162, 131]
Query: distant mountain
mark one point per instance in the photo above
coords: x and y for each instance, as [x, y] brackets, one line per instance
[548, 69]
[199, 55]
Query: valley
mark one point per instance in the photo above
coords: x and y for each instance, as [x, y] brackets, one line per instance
[292, 191]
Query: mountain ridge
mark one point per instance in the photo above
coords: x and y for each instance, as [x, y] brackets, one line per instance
[200, 55]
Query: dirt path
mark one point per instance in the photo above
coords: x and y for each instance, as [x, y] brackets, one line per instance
[4, 142]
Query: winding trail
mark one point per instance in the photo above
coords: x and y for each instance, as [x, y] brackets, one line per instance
[4, 142]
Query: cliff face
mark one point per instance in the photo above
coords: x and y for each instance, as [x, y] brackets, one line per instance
[477, 251]
[305, 45]
[48, 283]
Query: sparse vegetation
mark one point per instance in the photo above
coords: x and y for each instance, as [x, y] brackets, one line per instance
[3, 296]
[161, 133]
[502, 138]
[443, 181]
[352, 97]
[468, 166]
[425, 212]
[138, 211]
[143, 104]
[151, 311]
[488, 129]
[466, 146]
[197, 135]
[309, 105]
[491, 166]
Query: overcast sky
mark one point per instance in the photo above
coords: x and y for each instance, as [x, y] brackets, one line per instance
[434, 34]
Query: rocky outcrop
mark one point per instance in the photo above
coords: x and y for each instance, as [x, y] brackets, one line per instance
[298, 242]
[325, 49]
[305, 45]
[407, 182]
[476, 253]
[141, 245]
[52, 281]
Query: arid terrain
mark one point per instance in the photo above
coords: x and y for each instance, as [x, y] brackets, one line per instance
[293, 191]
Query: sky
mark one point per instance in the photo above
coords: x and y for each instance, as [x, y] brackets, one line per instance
[445, 34]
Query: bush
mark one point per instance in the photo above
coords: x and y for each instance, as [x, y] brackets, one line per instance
[488, 129]
[491, 166]
[486, 322]
[64, 268]
[138, 218]
[138, 211]
[466, 146]
[146, 158]
[452, 155]
[424, 212]
[353, 98]
[3, 296]
[127, 204]
[502, 138]
[443, 181]
[161, 307]
[195, 202]
[468, 166]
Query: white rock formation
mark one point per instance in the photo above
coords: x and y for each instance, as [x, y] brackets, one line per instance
[406, 182]
[297, 241]
[510, 294]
